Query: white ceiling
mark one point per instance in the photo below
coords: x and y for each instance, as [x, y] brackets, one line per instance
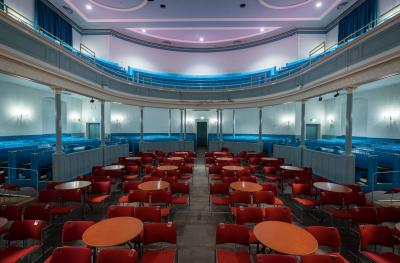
[202, 23]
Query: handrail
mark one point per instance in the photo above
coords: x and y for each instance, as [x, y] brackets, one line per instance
[375, 178]
[22, 169]
[200, 84]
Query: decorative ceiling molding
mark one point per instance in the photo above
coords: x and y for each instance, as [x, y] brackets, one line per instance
[273, 6]
[129, 9]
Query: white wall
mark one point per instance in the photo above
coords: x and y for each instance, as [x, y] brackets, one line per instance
[307, 42]
[332, 37]
[280, 119]
[100, 44]
[24, 7]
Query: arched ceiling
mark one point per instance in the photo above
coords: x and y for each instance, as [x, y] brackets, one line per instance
[202, 23]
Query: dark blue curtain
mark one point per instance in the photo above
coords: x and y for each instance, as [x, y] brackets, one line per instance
[52, 22]
[357, 19]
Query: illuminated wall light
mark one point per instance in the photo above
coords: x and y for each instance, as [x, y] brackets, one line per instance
[213, 120]
[75, 117]
[189, 120]
[313, 120]
[21, 113]
[117, 119]
[201, 117]
[391, 115]
[287, 120]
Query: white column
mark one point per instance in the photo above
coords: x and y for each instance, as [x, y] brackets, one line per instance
[57, 94]
[302, 123]
[102, 127]
[181, 131]
[170, 123]
[234, 123]
[349, 121]
[184, 131]
[141, 123]
[260, 124]
[221, 138]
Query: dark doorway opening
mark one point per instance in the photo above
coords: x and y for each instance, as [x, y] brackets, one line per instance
[201, 131]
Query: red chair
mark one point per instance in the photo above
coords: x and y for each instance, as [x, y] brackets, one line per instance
[263, 197]
[70, 254]
[388, 214]
[356, 199]
[138, 196]
[72, 232]
[11, 212]
[215, 170]
[249, 215]
[181, 193]
[157, 233]
[164, 200]
[51, 185]
[251, 179]
[229, 179]
[232, 234]
[71, 200]
[132, 172]
[37, 212]
[118, 211]
[127, 186]
[301, 193]
[99, 193]
[321, 259]
[22, 230]
[120, 255]
[218, 195]
[377, 235]
[238, 198]
[333, 199]
[364, 215]
[274, 258]
[269, 173]
[274, 188]
[148, 213]
[281, 213]
[327, 237]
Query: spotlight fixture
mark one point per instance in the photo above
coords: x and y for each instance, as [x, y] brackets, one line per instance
[243, 5]
[201, 39]
[318, 4]
[337, 94]
[91, 100]
[320, 98]
[262, 29]
[143, 30]
[163, 6]
[88, 7]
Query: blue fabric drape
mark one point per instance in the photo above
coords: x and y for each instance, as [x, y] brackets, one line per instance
[357, 19]
[52, 22]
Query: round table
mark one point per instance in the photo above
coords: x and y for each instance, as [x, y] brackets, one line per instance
[166, 168]
[269, 159]
[233, 168]
[136, 158]
[224, 159]
[3, 221]
[221, 153]
[153, 185]
[112, 232]
[246, 187]
[292, 168]
[114, 167]
[285, 238]
[331, 187]
[175, 158]
[180, 153]
[72, 185]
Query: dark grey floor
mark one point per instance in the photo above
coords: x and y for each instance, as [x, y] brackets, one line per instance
[196, 225]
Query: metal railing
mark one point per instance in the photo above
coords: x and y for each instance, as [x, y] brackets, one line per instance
[150, 82]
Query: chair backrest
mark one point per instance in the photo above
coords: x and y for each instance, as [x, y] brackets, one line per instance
[51, 185]
[229, 179]
[71, 254]
[161, 197]
[132, 169]
[26, 229]
[180, 188]
[354, 187]
[282, 213]
[48, 196]
[388, 214]
[301, 189]
[73, 195]
[140, 196]
[37, 212]
[264, 197]
[120, 255]
[232, 233]
[355, 198]
[331, 198]
[11, 212]
[249, 215]
[129, 185]
[375, 235]
[219, 188]
[251, 179]
[326, 236]
[159, 232]
[364, 215]
[101, 187]
[274, 258]
[73, 230]
[238, 197]
[148, 213]
[320, 258]
[118, 210]
[270, 187]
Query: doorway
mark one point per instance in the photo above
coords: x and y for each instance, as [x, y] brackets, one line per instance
[312, 131]
[93, 130]
[201, 133]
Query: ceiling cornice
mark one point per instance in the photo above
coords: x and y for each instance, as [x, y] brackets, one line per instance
[85, 31]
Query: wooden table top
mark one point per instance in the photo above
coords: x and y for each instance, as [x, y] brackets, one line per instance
[246, 187]
[133, 158]
[16, 200]
[224, 159]
[3, 221]
[153, 185]
[167, 168]
[175, 158]
[180, 153]
[113, 167]
[112, 232]
[233, 168]
[331, 187]
[285, 238]
[292, 168]
[72, 185]
[269, 159]
[222, 153]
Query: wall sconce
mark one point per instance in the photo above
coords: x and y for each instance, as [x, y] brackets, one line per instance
[189, 120]
[75, 117]
[213, 120]
[390, 116]
[288, 120]
[21, 113]
[330, 119]
[117, 119]
[313, 120]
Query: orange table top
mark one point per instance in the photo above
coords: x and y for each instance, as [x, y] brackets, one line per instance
[175, 158]
[112, 232]
[3, 221]
[269, 159]
[136, 158]
[331, 187]
[113, 167]
[72, 185]
[233, 168]
[221, 153]
[291, 168]
[285, 238]
[167, 167]
[153, 185]
[246, 187]
[224, 159]
[180, 153]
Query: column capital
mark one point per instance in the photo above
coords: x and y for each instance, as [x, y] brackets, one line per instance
[350, 89]
[56, 90]
[303, 101]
